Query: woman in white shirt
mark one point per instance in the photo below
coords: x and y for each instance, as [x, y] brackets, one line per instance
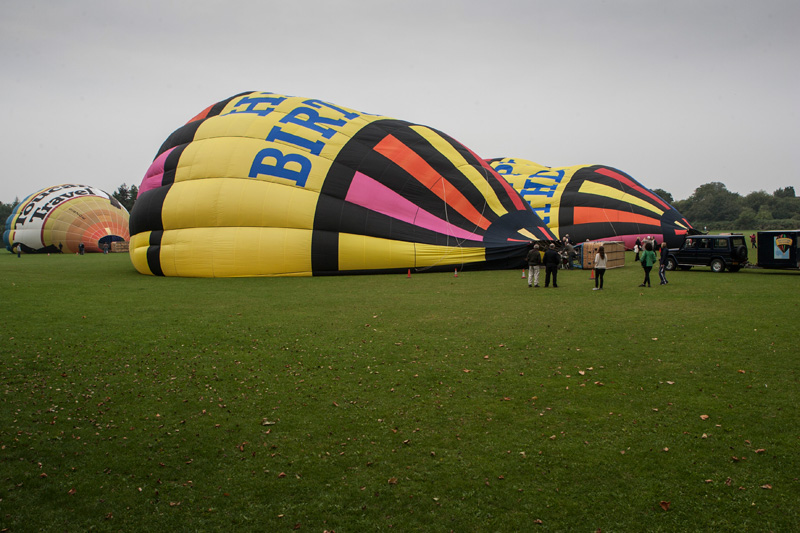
[599, 268]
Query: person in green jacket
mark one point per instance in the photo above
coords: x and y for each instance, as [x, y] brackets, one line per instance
[648, 260]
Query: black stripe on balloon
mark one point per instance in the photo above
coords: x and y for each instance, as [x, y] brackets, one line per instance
[383, 170]
[324, 251]
[183, 135]
[154, 253]
[217, 108]
[593, 200]
[171, 165]
[358, 220]
[146, 213]
[450, 172]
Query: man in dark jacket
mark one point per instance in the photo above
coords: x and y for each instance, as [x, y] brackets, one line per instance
[534, 262]
[551, 261]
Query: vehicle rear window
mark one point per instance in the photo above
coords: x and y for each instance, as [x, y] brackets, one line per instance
[721, 243]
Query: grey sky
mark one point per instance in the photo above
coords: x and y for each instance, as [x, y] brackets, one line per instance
[675, 93]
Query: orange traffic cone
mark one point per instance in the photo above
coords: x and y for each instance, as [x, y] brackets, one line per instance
[591, 276]
[409, 273]
[523, 273]
[456, 274]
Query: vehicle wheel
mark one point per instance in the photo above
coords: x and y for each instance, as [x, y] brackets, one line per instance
[741, 253]
[717, 265]
[671, 264]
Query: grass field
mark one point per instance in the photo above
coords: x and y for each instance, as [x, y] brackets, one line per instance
[377, 403]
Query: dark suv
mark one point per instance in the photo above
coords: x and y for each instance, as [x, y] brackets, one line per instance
[717, 251]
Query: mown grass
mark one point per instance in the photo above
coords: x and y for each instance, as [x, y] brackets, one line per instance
[376, 403]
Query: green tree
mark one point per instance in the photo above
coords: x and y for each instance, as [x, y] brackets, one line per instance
[764, 213]
[712, 202]
[785, 207]
[786, 192]
[667, 197]
[756, 199]
[5, 212]
[126, 196]
[747, 219]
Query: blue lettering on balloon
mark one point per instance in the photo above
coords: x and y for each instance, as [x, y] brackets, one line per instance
[312, 121]
[251, 102]
[279, 169]
[543, 212]
[504, 169]
[316, 104]
[535, 188]
[276, 134]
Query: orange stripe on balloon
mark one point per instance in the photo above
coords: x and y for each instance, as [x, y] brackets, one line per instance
[202, 114]
[589, 215]
[619, 177]
[415, 165]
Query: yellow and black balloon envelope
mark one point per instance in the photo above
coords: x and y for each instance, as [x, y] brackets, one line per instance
[263, 184]
[594, 202]
[61, 217]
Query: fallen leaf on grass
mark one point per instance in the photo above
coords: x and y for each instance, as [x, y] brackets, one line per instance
[392, 481]
[703, 417]
[760, 450]
[664, 505]
[767, 486]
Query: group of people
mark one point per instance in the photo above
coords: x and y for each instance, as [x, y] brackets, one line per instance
[551, 260]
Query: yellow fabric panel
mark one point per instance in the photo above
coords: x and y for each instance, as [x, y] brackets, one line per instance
[471, 173]
[524, 172]
[359, 252]
[236, 252]
[589, 187]
[430, 255]
[238, 202]
[238, 125]
[232, 157]
[137, 250]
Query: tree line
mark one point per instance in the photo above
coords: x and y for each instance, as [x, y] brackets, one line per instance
[711, 206]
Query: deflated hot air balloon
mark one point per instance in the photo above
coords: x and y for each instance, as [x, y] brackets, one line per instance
[594, 202]
[263, 184]
[60, 218]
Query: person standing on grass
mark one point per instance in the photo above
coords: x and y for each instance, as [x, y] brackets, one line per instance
[534, 262]
[753, 240]
[637, 248]
[662, 263]
[648, 260]
[551, 261]
[599, 268]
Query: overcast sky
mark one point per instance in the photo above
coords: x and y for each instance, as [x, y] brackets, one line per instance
[676, 93]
